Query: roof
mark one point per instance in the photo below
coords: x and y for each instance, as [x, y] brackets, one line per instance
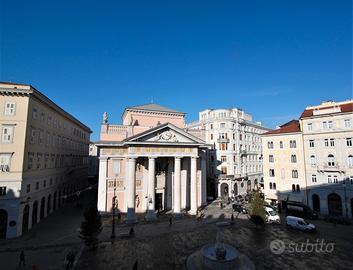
[345, 107]
[289, 127]
[153, 107]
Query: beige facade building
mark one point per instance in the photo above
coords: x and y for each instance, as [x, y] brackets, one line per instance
[43, 157]
[324, 143]
[149, 164]
[235, 163]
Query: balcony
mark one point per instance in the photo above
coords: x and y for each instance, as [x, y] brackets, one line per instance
[223, 140]
[336, 168]
[243, 152]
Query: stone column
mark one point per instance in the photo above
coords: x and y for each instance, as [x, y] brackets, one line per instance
[130, 190]
[203, 182]
[151, 190]
[177, 185]
[193, 186]
[102, 185]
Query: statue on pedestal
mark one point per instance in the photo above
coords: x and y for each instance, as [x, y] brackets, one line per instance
[105, 118]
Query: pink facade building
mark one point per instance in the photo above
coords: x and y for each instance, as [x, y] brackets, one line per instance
[149, 164]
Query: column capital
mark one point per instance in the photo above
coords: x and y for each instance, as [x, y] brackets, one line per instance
[177, 157]
[103, 158]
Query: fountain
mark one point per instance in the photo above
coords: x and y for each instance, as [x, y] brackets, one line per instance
[218, 256]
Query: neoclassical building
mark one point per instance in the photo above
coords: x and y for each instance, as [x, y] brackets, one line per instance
[149, 164]
[236, 159]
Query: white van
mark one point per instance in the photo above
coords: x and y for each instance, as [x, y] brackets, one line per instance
[271, 215]
[299, 224]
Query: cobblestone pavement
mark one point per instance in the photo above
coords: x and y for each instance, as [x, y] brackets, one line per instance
[160, 246]
[47, 244]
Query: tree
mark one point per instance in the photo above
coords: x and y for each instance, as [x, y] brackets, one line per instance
[257, 211]
[91, 226]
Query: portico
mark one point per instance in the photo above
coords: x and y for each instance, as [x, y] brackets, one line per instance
[163, 167]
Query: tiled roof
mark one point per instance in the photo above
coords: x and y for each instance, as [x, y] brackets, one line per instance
[346, 107]
[153, 107]
[290, 127]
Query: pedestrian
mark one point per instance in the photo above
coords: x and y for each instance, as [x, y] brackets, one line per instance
[170, 221]
[22, 259]
[131, 232]
[135, 266]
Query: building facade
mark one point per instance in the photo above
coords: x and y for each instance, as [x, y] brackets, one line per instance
[236, 160]
[325, 134]
[43, 157]
[149, 164]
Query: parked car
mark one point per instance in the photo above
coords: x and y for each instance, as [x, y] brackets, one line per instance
[271, 216]
[337, 219]
[300, 224]
[240, 208]
[300, 210]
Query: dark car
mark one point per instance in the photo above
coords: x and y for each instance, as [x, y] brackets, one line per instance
[337, 219]
[240, 208]
[300, 210]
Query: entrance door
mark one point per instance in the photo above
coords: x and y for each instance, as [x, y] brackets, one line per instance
[224, 190]
[35, 213]
[25, 219]
[316, 202]
[158, 205]
[334, 204]
[3, 223]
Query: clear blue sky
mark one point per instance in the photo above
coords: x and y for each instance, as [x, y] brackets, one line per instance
[271, 58]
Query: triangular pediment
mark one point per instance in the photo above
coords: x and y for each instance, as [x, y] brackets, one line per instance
[166, 134]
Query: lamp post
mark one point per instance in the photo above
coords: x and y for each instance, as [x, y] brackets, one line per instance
[113, 209]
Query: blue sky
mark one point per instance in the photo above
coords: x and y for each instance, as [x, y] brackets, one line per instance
[271, 58]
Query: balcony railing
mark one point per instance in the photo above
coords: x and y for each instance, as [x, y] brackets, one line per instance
[223, 140]
[335, 168]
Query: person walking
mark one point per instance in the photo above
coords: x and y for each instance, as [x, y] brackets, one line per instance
[22, 259]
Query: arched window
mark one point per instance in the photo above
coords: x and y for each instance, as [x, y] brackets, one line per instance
[331, 160]
[293, 158]
[270, 185]
[312, 160]
[293, 188]
[297, 188]
[350, 161]
[294, 174]
[274, 185]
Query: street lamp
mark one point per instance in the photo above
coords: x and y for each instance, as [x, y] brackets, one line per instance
[113, 209]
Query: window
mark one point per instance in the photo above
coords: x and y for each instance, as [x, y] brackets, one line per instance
[332, 142]
[224, 170]
[270, 145]
[37, 185]
[116, 167]
[7, 134]
[28, 188]
[313, 178]
[294, 174]
[324, 125]
[211, 126]
[223, 146]
[223, 158]
[30, 160]
[41, 135]
[311, 143]
[270, 185]
[293, 158]
[211, 136]
[347, 123]
[293, 188]
[280, 144]
[44, 183]
[272, 172]
[330, 124]
[297, 188]
[5, 160]
[10, 108]
[326, 142]
[331, 160]
[350, 161]
[335, 179]
[349, 141]
[42, 117]
[34, 113]
[270, 158]
[310, 126]
[33, 135]
[274, 185]
[240, 137]
[292, 144]
[329, 179]
[39, 160]
[312, 160]
[222, 125]
[233, 147]
[2, 191]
